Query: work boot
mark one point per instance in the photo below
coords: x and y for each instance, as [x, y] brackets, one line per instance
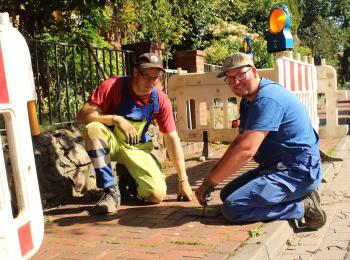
[127, 184]
[109, 201]
[315, 217]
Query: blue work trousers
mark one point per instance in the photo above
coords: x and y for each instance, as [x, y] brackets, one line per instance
[273, 193]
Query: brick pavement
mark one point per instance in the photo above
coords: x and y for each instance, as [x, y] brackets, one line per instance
[171, 230]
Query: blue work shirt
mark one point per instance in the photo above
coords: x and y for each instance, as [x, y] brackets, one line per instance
[277, 110]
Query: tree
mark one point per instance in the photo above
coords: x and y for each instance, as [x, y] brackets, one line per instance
[310, 10]
[329, 45]
[325, 28]
[201, 16]
[61, 20]
[160, 21]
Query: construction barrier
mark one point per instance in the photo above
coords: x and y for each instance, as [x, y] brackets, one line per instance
[206, 106]
[21, 215]
[327, 88]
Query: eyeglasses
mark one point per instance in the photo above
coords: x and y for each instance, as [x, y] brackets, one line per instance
[239, 76]
[149, 77]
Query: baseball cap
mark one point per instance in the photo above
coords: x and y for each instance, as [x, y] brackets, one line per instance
[236, 60]
[150, 60]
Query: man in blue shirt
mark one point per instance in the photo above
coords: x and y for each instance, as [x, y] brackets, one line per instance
[276, 131]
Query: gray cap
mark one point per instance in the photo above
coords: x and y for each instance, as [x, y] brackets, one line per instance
[236, 60]
[150, 60]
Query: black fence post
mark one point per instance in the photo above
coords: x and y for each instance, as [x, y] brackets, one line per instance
[205, 151]
[130, 59]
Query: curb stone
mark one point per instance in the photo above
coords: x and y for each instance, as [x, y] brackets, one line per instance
[347, 257]
[275, 234]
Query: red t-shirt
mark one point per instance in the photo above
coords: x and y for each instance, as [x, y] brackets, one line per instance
[108, 95]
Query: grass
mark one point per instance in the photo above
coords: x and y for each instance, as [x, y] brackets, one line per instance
[256, 232]
[331, 151]
[48, 219]
[187, 242]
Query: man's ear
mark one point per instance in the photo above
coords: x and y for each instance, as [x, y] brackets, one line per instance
[135, 71]
[255, 72]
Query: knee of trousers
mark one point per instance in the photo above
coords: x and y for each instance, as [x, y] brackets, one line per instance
[155, 196]
[94, 130]
[233, 211]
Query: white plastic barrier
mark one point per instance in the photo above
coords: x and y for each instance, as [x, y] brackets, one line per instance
[205, 103]
[327, 85]
[22, 228]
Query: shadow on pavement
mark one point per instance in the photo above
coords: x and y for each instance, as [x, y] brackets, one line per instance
[150, 217]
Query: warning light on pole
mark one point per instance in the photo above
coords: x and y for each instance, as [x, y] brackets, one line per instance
[247, 46]
[280, 38]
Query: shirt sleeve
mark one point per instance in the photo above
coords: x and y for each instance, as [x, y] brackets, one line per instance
[264, 114]
[165, 118]
[107, 95]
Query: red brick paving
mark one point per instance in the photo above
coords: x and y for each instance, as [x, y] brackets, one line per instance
[170, 230]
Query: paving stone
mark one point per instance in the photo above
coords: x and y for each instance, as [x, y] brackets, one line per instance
[330, 254]
[172, 229]
[296, 257]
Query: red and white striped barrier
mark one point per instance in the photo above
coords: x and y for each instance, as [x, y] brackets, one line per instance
[21, 215]
[300, 78]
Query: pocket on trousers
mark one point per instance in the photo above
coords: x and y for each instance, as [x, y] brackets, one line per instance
[272, 189]
[315, 167]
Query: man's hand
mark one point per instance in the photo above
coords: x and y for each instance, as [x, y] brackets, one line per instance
[185, 191]
[127, 129]
[203, 193]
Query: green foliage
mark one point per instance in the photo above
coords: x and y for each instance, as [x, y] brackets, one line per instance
[255, 15]
[219, 50]
[255, 232]
[187, 242]
[304, 51]
[158, 21]
[62, 20]
[262, 59]
[201, 15]
[310, 10]
[317, 25]
[320, 40]
[229, 39]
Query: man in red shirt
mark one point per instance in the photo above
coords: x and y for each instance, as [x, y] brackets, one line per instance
[117, 118]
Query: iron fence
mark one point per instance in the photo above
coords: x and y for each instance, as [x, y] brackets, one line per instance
[65, 74]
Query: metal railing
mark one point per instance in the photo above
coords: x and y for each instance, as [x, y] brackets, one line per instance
[65, 74]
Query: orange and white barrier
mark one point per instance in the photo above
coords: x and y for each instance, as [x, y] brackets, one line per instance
[21, 215]
[204, 103]
[300, 78]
